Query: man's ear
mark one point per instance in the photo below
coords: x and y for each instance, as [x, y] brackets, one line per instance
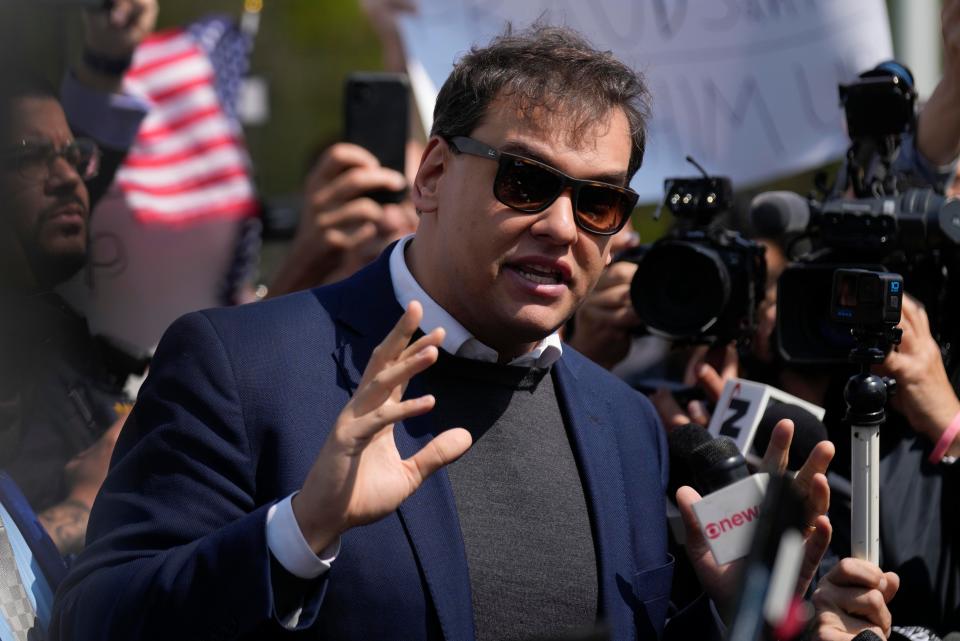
[425, 185]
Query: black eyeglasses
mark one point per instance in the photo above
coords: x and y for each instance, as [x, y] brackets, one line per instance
[33, 159]
[530, 186]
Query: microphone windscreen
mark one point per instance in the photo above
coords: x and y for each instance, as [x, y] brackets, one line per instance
[681, 442]
[867, 635]
[775, 213]
[685, 439]
[716, 464]
[713, 452]
[807, 431]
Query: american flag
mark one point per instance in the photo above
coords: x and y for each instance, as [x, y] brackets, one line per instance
[189, 161]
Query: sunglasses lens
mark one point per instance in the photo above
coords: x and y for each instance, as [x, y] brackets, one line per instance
[524, 185]
[83, 156]
[603, 209]
[32, 159]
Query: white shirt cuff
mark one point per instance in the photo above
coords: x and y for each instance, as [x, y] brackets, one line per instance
[288, 546]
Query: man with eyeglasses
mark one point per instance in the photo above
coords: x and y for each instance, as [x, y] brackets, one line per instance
[61, 390]
[412, 453]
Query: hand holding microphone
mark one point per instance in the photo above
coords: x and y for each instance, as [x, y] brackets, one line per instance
[719, 580]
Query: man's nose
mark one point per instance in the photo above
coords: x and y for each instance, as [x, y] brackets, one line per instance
[61, 174]
[557, 222]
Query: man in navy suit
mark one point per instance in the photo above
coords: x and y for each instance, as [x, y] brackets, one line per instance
[331, 464]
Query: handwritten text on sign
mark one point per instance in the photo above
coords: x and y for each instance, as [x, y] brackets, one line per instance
[747, 87]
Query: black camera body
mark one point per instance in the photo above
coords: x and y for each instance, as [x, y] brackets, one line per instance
[916, 233]
[701, 283]
[890, 225]
[881, 102]
[866, 298]
[880, 107]
[919, 220]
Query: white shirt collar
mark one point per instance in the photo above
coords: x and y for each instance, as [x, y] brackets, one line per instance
[458, 340]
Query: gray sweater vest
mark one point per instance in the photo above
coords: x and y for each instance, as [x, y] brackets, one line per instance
[523, 514]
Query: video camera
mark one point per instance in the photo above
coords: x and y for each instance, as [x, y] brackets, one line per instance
[866, 299]
[701, 283]
[889, 225]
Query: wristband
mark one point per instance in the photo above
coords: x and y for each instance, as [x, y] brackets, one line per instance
[106, 65]
[946, 440]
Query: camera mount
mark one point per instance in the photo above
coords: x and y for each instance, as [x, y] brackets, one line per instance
[866, 396]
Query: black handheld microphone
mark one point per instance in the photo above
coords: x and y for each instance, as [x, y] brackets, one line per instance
[681, 443]
[716, 464]
[730, 508]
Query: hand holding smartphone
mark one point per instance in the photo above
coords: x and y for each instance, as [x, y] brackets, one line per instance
[376, 117]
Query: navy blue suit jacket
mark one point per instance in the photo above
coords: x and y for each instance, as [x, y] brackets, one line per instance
[230, 420]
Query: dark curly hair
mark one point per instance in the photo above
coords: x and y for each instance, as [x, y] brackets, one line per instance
[553, 69]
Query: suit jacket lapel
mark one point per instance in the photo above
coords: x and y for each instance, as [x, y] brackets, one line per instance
[430, 518]
[595, 448]
[368, 311]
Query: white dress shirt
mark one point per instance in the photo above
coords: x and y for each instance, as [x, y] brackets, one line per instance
[284, 538]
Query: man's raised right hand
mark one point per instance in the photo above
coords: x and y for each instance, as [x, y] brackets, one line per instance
[359, 476]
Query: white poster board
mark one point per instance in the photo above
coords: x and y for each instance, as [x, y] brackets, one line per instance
[747, 87]
[142, 276]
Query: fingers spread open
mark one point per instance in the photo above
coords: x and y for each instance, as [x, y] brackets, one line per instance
[445, 448]
[817, 497]
[814, 549]
[389, 381]
[367, 425]
[435, 337]
[778, 450]
[816, 463]
[396, 341]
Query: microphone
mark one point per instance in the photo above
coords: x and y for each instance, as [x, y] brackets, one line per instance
[681, 443]
[716, 464]
[774, 214]
[728, 514]
[867, 635]
[744, 405]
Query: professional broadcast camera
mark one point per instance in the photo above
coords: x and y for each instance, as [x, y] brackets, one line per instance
[701, 283]
[890, 225]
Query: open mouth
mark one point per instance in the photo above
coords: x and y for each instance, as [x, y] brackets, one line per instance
[540, 275]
